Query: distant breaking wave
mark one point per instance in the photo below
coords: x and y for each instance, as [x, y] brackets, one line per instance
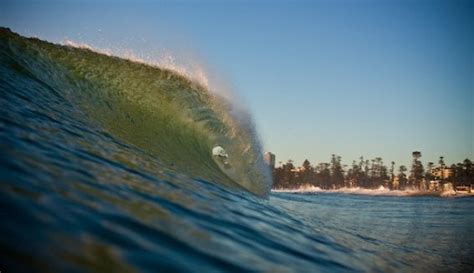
[356, 190]
[379, 191]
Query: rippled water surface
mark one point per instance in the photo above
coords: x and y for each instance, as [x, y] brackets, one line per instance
[390, 233]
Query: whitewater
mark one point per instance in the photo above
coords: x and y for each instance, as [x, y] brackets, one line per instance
[106, 165]
[378, 191]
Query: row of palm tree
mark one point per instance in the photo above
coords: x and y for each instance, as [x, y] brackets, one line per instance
[372, 173]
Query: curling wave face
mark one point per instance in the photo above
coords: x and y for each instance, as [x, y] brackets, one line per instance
[163, 113]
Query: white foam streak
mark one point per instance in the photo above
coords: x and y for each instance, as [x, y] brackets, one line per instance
[357, 190]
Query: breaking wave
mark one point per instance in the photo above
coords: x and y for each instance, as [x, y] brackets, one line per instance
[156, 108]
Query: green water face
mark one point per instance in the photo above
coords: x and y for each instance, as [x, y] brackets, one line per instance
[157, 110]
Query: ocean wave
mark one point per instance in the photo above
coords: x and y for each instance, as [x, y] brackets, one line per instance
[154, 106]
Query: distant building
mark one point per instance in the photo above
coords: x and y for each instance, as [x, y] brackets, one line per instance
[298, 169]
[442, 172]
[464, 189]
[269, 159]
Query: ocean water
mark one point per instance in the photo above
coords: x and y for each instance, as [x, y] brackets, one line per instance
[106, 166]
[389, 233]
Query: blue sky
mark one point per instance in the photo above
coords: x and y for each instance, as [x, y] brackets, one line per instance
[372, 78]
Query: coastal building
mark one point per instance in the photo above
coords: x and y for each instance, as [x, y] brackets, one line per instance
[298, 169]
[442, 172]
[269, 159]
[464, 189]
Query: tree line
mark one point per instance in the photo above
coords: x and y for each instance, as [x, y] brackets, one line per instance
[371, 174]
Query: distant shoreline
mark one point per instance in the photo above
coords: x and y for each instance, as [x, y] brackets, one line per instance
[375, 192]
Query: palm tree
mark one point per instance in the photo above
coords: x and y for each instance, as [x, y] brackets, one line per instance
[402, 177]
[441, 162]
[416, 170]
